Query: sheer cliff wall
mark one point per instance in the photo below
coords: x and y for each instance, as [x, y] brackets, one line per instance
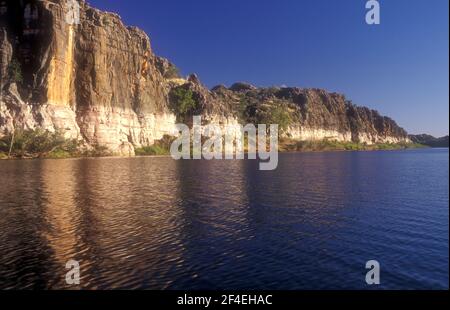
[99, 81]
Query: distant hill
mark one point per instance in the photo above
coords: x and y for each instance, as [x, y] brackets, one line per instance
[430, 140]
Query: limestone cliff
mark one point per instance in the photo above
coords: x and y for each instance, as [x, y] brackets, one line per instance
[98, 81]
[314, 114]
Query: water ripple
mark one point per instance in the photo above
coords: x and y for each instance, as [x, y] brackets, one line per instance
[154, 223]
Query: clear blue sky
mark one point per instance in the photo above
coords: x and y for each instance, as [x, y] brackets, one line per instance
[399, 68]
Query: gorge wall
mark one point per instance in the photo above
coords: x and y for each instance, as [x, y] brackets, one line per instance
[98, 81]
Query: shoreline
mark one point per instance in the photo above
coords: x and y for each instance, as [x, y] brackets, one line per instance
[310, 151]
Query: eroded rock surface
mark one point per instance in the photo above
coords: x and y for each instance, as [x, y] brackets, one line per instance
[99, 81]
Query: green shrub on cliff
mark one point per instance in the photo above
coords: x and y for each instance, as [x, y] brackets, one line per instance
[275, 114]
[97, 150]
[244, 109]
[332, 145]
[15, 71]
[151, 151]
[398, 146]
[160, 147]
[37, 144]
[183, 102]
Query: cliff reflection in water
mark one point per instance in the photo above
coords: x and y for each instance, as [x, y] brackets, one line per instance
[163, 224]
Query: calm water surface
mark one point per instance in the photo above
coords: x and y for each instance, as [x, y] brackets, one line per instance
[155, 223]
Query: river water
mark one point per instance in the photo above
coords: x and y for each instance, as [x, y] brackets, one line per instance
[156, 223]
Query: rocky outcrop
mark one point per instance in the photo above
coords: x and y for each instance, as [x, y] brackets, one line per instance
[430, 141]
[98, 81]
[315, 114]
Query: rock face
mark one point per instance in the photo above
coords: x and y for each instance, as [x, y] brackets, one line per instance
[98, 81]
[314, 114]
[430, 140]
